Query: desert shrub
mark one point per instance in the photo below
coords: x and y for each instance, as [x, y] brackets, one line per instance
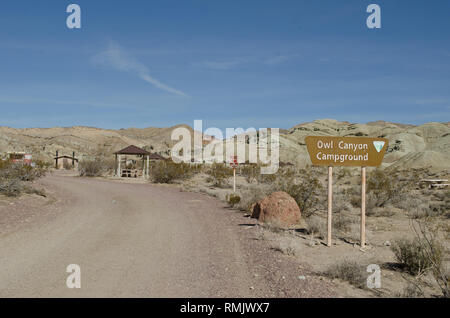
[11, 187]
[415, 256]
[169, 171]
[388, 186]
[13, 176]
[285, 246]
[233, 199]
[315, 226]
[219, 174]
[252, 195]
[22, 172]
[67, 165]
[342, 223]
[348, 271]
[304, 186]
[343, 172]
[412, 291]
[250, 172]
[420, 211]
[91, 168]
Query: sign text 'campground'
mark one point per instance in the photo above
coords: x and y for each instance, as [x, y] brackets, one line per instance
[346, 151]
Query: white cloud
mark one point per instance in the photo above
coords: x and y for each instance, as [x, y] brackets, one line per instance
[117, 58]
[222, 65]
[227, 64]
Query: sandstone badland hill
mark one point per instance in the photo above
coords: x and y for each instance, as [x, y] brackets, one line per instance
[410, 146]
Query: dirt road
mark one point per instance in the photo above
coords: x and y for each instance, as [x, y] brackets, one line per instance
[142, 240]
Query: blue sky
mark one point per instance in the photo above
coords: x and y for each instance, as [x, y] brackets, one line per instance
[230, 63]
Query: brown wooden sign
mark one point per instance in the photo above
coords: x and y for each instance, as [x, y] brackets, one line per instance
[346, 151]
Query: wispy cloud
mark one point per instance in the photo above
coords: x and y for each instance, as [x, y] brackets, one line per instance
[226, 64]
[117, 58]
[222, 64]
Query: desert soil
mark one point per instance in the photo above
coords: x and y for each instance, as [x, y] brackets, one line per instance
[139, 240]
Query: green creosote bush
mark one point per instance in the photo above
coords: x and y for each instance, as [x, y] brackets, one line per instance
[415, 257]
[233, 199]
[91, 168]
[168, 171]
[13, 176]
[303, 185]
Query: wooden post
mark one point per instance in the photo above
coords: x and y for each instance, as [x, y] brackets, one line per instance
[119, 171]
[148, 166]
[330, 204]
[115, 165]
[234, 179]
[363, 206]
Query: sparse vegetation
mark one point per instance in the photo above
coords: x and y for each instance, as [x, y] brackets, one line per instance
[388, 186]
[416, 256]
[233, 199]
[13, 176]
[219, 174]
[91, 168]
[304, 186]
[250, 172]
[348, 271]
[169, 171]
[315, 226]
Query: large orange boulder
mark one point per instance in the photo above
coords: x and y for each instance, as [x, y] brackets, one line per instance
[277, 209]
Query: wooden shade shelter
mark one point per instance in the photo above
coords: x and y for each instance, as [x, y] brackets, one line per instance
[135, 151]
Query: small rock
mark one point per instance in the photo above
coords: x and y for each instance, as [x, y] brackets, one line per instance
[251, 287]
[387, 243]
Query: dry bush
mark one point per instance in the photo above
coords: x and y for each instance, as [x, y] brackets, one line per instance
[342, 223]
[249, 172]
[385, 186]
[91, 168]
[420, 211]
[219, 174]
[412, 291]
[420, 254]
[348, 271]
[304, 186]
[11, 187]
[285, 246]
[169, 171]
[316, 226]
[252, 195]
[67, 165]
[13, 176]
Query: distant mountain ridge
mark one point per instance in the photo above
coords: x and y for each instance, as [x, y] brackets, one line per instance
[409, 146]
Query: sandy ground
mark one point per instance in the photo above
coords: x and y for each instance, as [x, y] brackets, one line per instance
[139, 240]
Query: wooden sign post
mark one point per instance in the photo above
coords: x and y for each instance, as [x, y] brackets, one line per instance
[363, 206]
[234, 164]
[330, 204]
[346, 151]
